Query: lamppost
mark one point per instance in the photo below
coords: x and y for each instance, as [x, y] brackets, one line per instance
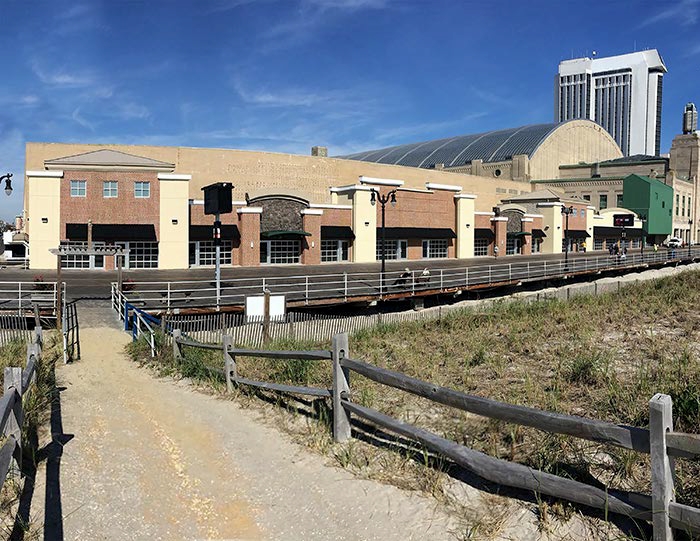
[8, 183]
[643, 219]
[690, 235]
[383, 200]
[566, 211]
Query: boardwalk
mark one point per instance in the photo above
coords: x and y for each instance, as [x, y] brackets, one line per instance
[148, 458]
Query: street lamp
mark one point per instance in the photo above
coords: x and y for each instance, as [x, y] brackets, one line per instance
[690, 235]
[8, 183]
[566, 211]
[383, 200]
[643, 219]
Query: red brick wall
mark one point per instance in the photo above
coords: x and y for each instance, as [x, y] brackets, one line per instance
[337, 217]
[416, 209]
[123, 209]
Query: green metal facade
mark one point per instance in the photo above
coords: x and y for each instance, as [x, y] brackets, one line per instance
[651, 198]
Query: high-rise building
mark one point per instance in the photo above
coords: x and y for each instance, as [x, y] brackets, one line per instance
[621, 93]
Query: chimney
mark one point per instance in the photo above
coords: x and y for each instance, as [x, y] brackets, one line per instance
[596, 170]
[321, 152]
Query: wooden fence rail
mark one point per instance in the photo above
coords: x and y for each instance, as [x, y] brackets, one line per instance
[660, 441]
[16, 383]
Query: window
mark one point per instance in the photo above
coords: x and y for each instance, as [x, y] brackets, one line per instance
[481, 247]
[678, 203]
[109, 188]
[143, 255]
[619, 201]
[280, 252]
[512, 246]
[142, 190]
[683, 208]
[598, 244]
[583, 213]
[78, 188]
[434, 248]
[334, 250]
[395, 249]
[536, 246]
[203, 253]
[603, 204]
[574, 211]
[587, 197]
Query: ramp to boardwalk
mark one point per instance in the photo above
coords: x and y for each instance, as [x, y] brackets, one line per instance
[149, 458]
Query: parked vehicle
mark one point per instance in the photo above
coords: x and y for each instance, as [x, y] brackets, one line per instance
[674, 242]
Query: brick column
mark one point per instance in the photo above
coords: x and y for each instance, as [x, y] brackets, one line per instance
[249, 227]
[311, 246]
[500, 226]
[527, 239]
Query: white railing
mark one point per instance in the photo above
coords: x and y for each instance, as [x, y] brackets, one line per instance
[314, 288]
[22, 296]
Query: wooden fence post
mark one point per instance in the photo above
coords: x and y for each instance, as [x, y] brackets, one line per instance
[13, 384]
[662, 486]
[341, 388]
[229, 362]
[177, 350]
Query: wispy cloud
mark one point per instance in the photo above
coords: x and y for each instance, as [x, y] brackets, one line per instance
[80, 120]
[446, 128]
[685, 12]
[61, 77]
[310, 15]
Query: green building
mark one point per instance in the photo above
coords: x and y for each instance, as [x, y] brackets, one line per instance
[651, 198]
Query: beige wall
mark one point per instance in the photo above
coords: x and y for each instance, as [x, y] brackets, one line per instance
[259, 173]
[552, 225]
[465, 225]
[364, 225]
[44, 198]
[173, 241]
[572, 142]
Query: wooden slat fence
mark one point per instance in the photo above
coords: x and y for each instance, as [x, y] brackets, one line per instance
[660, 441]
[210, 328]
[16, 382]
[13, 326]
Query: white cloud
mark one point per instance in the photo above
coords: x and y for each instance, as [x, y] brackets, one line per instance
[685, 12]
[62, 77]
[79, 119]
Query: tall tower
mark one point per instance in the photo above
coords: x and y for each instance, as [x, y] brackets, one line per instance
[621, 93]
[690, 119]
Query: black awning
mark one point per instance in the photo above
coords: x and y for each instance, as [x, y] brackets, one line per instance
[518, 234]
[616, 232]
[283, 234]
[417, 233]
[538, 234]
[484, 233]
[112, 232]
[576, 234]
[339, 232]
[206, 232]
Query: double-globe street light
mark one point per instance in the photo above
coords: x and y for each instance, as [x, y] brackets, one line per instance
[389, 197]
[566, 211]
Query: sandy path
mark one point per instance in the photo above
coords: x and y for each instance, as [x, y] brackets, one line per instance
[153, 459]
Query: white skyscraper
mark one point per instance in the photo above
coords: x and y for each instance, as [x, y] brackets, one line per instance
[621, 93]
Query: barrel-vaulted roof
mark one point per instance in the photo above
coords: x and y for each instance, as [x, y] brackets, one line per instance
[492, 146]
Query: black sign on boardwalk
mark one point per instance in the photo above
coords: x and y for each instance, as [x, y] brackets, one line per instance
[623, 220]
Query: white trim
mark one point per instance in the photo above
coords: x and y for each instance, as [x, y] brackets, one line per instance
[250, 210]
[201, 202]
[527, 219]
[173, 176]
[500, 219]
[446, 187]
[590, 207]
[239, 203]
[481, 213]
[196, 202]
[351, 188]
[550, 204]
[380, 181]
[465, 196]
[312, 212]
[533, 215]
[45, 174]
[415, 190]
[329, 206]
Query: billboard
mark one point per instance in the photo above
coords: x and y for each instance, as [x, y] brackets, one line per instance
[623, 220]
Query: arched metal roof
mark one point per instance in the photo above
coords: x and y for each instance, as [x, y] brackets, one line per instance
[493, 146]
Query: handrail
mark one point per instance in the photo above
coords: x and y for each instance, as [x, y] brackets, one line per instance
[314, 287]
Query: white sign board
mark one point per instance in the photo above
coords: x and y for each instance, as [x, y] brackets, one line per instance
[255, 307]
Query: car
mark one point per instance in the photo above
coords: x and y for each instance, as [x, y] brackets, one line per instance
[674, 242]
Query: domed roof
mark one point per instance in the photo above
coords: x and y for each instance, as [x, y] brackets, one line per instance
[492, 146]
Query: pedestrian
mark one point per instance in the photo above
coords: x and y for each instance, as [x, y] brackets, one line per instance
[656, 248]
[583, 246]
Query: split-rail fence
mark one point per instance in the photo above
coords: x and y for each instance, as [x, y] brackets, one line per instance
[659, 440]
[16, 383]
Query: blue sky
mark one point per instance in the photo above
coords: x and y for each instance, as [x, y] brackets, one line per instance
[286, 75]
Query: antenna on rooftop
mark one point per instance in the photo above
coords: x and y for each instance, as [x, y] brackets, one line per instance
[594, 53]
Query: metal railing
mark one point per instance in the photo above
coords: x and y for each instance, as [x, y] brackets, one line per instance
[22, 296]
[316, 288]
